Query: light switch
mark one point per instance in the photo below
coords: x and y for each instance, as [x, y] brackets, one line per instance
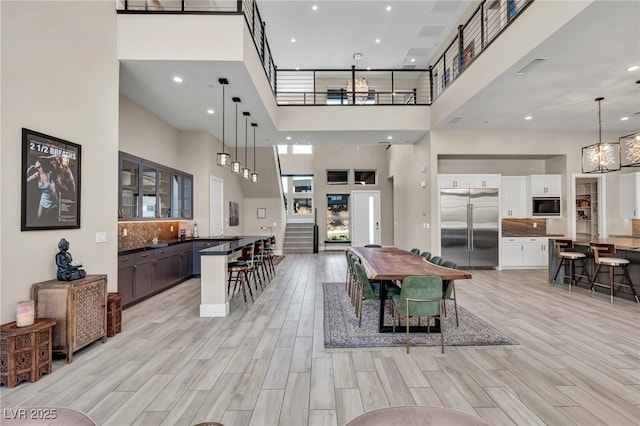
[101, 237]
[125, 232]
[535, 225]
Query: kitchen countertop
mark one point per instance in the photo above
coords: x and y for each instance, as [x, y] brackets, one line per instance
[621, 243]
[173, 242]
[228, 247]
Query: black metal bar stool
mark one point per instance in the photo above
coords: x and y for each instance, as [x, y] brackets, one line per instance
[241, 270]
[568, 257]
[611, 263]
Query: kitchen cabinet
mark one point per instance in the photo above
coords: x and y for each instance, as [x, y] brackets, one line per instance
[79, 308]
[152, 191]
[524, 252]
[513, 197]
[544, 185]
[587, 208]
[180, 262]
[629, 187]
[468, 181]
[126, 277]
[197, 246]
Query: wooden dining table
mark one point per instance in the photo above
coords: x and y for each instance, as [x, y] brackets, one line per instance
[394, 264]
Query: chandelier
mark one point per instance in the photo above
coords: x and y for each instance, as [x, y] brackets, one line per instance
[601, 157]
[630, 146]
[361, 93]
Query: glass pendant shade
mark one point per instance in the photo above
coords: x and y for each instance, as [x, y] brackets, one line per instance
[601, 157]
[630, 150]
[246, 173]
[236, 167]
[223, 158]
[254, 177]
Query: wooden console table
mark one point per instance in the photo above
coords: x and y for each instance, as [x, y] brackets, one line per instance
[25, 351]
[79, 308]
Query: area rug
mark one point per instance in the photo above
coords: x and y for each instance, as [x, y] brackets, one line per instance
[341, 326]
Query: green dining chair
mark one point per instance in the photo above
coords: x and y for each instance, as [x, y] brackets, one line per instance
[415, 250]
[369, 290]
[449, 289]
[426, 255]
[420, 296]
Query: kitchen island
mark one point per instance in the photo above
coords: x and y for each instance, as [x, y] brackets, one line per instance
[626, 248]
[214, 301]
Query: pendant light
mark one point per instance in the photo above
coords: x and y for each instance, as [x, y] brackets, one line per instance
[223, 158]
[245, 170]
[254, 175]
[235, 165]
[601, 157]
[630, 146]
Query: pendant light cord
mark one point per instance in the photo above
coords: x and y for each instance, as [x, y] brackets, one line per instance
[236, 132]
[254, 150]
[223, 118]
[246, 130]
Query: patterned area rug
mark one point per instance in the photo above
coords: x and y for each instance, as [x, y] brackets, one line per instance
[341, 326]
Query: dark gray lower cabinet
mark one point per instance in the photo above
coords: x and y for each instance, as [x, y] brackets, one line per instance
[149, 272]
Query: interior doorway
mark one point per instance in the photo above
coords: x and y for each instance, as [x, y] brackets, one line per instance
[587, 208]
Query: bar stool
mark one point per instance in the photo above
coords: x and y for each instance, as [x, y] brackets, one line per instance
[258, 260]
[247, 257]
[240, 268]
[567, 258]
[611, 263]
[268, 256]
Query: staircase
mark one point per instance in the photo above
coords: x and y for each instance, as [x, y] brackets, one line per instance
[298, 238]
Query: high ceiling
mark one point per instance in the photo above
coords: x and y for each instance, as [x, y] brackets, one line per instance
[587, 58]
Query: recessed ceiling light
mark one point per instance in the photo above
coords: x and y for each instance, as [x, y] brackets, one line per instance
[177, 79]
[633, 68]
[528, 117]
[389, 137]
[624, 118]
[388, 9]
[288, 138]
[210, 111]
[314, 7]
[413, 59]
[293, 40]
[377, 40]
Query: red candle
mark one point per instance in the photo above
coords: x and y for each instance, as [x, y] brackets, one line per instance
[25, 313]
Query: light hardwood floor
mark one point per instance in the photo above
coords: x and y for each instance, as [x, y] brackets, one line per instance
[578, 361]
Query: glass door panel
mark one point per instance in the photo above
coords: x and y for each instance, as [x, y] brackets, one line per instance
[176, 196]
[164, 194]
[187, 198]
[149, 191]
[129, 191]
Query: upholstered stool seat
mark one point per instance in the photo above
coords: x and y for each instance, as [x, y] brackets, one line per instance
[611, 263]
[567, 259]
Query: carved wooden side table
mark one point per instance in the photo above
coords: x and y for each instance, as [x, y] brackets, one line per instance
[25, 351]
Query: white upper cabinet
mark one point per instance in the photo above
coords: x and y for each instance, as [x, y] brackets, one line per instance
[513, 197]
[629, 186]
[544, 185]
[468, 181]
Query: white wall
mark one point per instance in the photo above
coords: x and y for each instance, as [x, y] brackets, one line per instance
[53, 82]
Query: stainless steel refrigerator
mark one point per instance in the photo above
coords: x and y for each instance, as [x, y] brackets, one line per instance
[469, 227]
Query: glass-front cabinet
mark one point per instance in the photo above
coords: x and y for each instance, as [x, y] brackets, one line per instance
[129, 190]
[153, 191]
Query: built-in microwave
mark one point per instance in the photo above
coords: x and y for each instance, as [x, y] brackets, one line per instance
[546, 206]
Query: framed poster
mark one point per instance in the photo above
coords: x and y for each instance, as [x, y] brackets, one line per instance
[234, 213]
[50, 182]
[262, 213]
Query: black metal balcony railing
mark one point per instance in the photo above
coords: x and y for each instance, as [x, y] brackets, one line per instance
[331, 86]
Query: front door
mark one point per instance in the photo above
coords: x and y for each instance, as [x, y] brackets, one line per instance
[365, 217]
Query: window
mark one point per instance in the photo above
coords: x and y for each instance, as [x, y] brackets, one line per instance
[302, 206]
[282, 149]
[302, 149]
[337, 177]
[364, 177]
[338, 217]
[302, 183]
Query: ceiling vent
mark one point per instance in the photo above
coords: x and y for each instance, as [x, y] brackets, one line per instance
[430, 30]
[454, 120]
[445, 6]
[408, 67]
[531, 65]
[418, 51]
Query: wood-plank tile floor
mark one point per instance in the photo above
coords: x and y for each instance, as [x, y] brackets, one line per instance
[578, 361]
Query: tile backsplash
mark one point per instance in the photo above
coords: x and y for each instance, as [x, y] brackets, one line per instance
[635, 228]
[140, 234]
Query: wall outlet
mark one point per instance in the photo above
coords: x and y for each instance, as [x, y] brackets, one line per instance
[101, 237]
[535, 225]
[124, 232]
[171, 228]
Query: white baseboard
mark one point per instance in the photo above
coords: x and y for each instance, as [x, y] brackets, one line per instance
[214, 310]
